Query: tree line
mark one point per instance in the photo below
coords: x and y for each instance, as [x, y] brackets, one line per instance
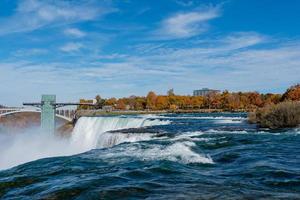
[227, 101]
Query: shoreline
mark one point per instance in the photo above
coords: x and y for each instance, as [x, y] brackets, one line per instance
[92, 113]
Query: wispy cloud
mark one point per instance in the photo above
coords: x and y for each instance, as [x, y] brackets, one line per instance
[185, 3]
[29, 52]
[187, 24]
[225, 63]
[119, 59]
[31, 15]
[74, 32]
[71, 46]
[244, 39]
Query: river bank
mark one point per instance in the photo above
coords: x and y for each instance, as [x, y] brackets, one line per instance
[89, 113]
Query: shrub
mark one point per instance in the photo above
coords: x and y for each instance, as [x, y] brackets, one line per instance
[282, 115]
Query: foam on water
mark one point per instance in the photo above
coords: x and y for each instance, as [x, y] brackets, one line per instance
[108, 139]
[268, 132]
[226, 132]
[190, 136]
[177, 152]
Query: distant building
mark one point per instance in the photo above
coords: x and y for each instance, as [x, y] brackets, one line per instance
[205, 92]
[107, 108]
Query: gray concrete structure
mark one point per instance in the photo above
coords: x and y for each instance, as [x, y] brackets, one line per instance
[205, 92]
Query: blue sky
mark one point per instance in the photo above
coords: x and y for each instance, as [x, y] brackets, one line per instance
[77, 49]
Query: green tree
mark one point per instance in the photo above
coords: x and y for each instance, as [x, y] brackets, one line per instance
[99, 102]
[171, 92]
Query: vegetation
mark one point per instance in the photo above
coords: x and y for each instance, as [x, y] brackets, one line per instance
[282, 115]
[268, 110]
[226, 101]
[292, 94]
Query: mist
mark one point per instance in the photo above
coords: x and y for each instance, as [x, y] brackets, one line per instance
[31, 145]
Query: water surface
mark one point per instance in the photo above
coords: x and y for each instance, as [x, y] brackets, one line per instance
[173, 156]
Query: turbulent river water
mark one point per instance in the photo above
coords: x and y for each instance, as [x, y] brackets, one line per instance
[170, 156]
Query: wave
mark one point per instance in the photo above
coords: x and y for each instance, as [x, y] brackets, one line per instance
[177, 152]
[108, 139]
[191, 136]
[269, 132]
[214, 131]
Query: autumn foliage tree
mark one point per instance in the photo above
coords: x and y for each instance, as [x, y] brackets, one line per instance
[292, 94]
[227, 101]
[111, 102]
[151, 100]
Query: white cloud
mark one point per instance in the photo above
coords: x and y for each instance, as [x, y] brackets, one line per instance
[184, 3]
[74, 32]
[31, 15]
[228, 62]
[30, 52]
[244, 39]
[71, 46]
[234, 63]
[188, 24]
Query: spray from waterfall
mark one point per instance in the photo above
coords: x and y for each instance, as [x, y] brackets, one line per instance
[89, 133]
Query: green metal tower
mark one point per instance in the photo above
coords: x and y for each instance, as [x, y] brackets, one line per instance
[48, 113]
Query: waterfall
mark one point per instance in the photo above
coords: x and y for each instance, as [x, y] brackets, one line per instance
[91, 132]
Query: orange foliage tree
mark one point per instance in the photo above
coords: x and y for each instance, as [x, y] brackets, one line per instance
[292, 94]
[151, 100]
[231, 101]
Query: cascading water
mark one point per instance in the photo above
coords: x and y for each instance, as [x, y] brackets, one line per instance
[91, 132]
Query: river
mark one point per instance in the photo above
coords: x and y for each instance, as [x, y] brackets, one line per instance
[166, 156]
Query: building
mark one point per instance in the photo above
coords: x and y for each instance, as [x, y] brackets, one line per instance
[107, 108]
[205, 92]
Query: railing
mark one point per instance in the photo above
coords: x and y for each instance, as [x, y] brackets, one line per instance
[66, 113]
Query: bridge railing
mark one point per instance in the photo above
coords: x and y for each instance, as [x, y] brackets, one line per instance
[69, 113]
[13, 109]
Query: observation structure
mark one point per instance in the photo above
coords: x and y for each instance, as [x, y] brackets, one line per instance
[48, 108]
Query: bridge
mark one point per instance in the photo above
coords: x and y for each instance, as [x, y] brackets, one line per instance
[66, 114]
[49, 109]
